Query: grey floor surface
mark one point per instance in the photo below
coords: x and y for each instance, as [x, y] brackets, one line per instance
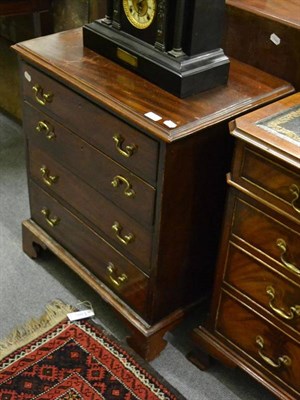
[26, 286]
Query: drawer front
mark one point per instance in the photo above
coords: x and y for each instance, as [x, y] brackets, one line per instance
[116, 225]
[256, 280]
[120, 141]
[268, 235]
[261, 175]
[264, 345]
[116, 183]
[107, 264]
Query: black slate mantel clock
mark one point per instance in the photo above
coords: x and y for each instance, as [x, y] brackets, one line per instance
[175, 44]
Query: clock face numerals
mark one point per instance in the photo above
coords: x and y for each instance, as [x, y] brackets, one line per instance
[140, 13]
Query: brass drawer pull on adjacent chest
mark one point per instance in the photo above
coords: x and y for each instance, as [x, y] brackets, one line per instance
[51, 221]
[294, 189]
[126, 239]
[41, 97]
[44, 126]
[117, 280]
[47, 178]
[294, 310]
[282, 360]
[119, 180]
[283, 247]
[129, 149]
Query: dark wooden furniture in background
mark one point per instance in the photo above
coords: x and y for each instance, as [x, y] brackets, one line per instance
[265, 34]
[255, 315]
[38, 9]
[132, 204]
[20, 7]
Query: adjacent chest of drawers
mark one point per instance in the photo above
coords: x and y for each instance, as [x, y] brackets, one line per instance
[270, 32]
[126, 182]
[255, 315]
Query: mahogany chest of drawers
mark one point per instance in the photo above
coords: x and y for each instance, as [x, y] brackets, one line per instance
[255, 314]
[126, 181]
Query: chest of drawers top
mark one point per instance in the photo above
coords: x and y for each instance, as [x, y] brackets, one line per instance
[286, 12]
[275, 129]
[123, 93]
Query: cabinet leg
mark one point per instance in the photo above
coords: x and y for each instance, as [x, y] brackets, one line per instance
[148, 347]
[200, 359]
[149, 341]
[32, 245]
[207, 343]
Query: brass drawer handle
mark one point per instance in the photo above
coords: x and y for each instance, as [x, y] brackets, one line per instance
[292, 313]
[129, 149]
[282, 360]
[119, 180]
[283, 247]
[117, 280]
[47, 178]
[126, 239]
[51, 221]
[41, 97]
[294, 189]
[44, 126]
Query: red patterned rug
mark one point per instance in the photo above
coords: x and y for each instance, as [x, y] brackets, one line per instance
[73, 361]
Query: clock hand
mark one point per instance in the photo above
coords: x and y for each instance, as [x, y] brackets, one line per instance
[139, 5]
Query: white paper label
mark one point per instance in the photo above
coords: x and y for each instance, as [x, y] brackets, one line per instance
[153, 116]
[75, 316]
[275, 39]
[170, 124]
[27, 76]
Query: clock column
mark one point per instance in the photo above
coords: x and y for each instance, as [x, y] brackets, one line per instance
[116, 13]
[160, 42]
[179, 21]
[109, 12]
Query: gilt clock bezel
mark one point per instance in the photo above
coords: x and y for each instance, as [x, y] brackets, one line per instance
[137, 23]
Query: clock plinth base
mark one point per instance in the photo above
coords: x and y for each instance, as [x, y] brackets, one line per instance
[182, 76]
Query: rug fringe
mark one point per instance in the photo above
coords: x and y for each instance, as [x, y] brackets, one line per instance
[54, 313]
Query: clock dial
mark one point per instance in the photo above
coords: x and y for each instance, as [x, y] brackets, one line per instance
[140, 13]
